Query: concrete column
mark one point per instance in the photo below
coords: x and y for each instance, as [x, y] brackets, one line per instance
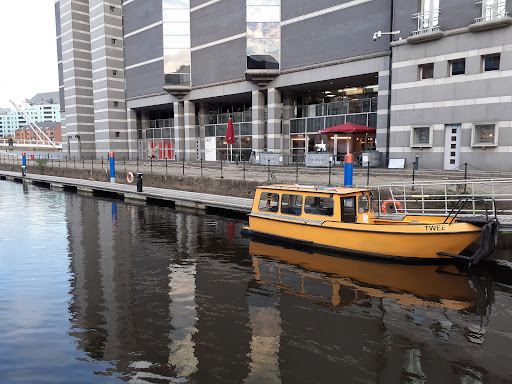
[190, 130]
[144, 122]
[382, 112]
[203, 120]
[275, 110]
[179, 130]
[258, 121]
[131, 118]
[285, 137]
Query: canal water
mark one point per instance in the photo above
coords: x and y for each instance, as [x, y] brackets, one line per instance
[98, 291]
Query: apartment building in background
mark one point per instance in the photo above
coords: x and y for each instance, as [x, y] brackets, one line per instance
[43, 107]
[162, 77]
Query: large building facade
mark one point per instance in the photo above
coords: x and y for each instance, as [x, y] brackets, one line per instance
[162, 77]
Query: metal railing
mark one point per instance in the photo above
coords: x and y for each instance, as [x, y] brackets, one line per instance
[492, 10]
[439, 197]
[314, 124]
[428, 21]
[35, 143]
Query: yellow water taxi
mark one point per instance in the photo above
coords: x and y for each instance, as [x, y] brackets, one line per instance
[342, 219]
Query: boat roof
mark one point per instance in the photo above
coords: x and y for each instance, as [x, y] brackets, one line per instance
[317, 189]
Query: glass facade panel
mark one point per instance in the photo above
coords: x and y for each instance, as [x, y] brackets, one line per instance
[263, 2]
[298, 126]
[257, 13]
[263, 30]
[176, 16]
[263, 34]
[176, 67]
[177, 41]
[315, 124]
[176, 29]
[263, 47]
[421, 136]
[209, 130]
[176, 4]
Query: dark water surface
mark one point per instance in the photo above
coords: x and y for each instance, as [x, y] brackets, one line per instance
[97, 291]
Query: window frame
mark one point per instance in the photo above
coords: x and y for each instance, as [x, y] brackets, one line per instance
[282, 197]
[320, 197]
[484, 57]
[451, 62]
[421, 68]
[481, 144]
[266, 208]
[421, 145]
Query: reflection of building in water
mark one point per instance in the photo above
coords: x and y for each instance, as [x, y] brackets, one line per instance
[420, 323]
[182, 306]
[160, 294]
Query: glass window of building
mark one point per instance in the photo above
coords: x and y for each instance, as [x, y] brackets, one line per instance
[421, 137]
[458, 67]
[491, 62]
[176, 29]
[263, 34]
[430, 14]
[484, 135]
[426, 71]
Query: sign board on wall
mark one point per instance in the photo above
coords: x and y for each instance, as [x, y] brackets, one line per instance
[396, 164]
[210, 149]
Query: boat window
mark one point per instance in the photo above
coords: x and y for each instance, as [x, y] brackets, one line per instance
[363, 203]
[269, 202]
[319, 205]
[348, 209]
[291, 205]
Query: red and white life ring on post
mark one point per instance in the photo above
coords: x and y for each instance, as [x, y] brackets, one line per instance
[393, 203]
[129, 177]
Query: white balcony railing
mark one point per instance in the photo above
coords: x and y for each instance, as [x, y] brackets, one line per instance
[428, 21]
[492, 10]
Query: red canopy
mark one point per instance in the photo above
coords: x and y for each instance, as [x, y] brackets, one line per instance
[230, 133]
[348, 128]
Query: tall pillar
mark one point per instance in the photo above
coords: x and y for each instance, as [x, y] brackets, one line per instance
[190, 130]
[75, 67]
[131, 118]
[383, 110]
[144, 122]
[285, 137]
[179, 130]
[203, 120]
[258, 121]
[275, 110]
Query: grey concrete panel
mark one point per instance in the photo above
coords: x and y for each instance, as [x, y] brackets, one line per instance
[505, 137]
[215, 22]
[137, 49]
[403, 21]
[458, 13]
[405, 74]
[438, 138]
[219, 63]
[334, 36]
[139, 14]
[296, 8]
[506, 61]
[76, 55]
[195, 3]
[400, 139]
[145, 80]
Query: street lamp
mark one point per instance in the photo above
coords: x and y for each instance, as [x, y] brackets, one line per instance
[69, 147]
[79, 147]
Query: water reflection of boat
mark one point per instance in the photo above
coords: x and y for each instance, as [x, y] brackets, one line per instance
[344, 281]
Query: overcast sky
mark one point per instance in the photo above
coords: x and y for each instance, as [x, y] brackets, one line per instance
[28, 52]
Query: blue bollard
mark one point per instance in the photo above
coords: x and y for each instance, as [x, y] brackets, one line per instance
[112, 168]
[349, 170]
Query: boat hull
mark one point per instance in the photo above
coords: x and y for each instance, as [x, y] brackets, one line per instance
[418, 241]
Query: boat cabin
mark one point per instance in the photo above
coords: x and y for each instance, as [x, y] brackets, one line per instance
[349, 205]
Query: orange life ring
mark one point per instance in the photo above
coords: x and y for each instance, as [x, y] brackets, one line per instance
[392, 203]
[129, 177]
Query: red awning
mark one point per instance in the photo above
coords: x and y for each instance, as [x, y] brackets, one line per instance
[348, 128]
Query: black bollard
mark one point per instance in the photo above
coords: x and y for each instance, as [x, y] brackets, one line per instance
[297, 171]
[329, 173]
[268, 170]
[465, 176]
[413, 169]
[139, 182]
[151, 163]
[183, 165]
[166, 165]
[221, 175]
[244, 170]
[201, 167]
[368, 174]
